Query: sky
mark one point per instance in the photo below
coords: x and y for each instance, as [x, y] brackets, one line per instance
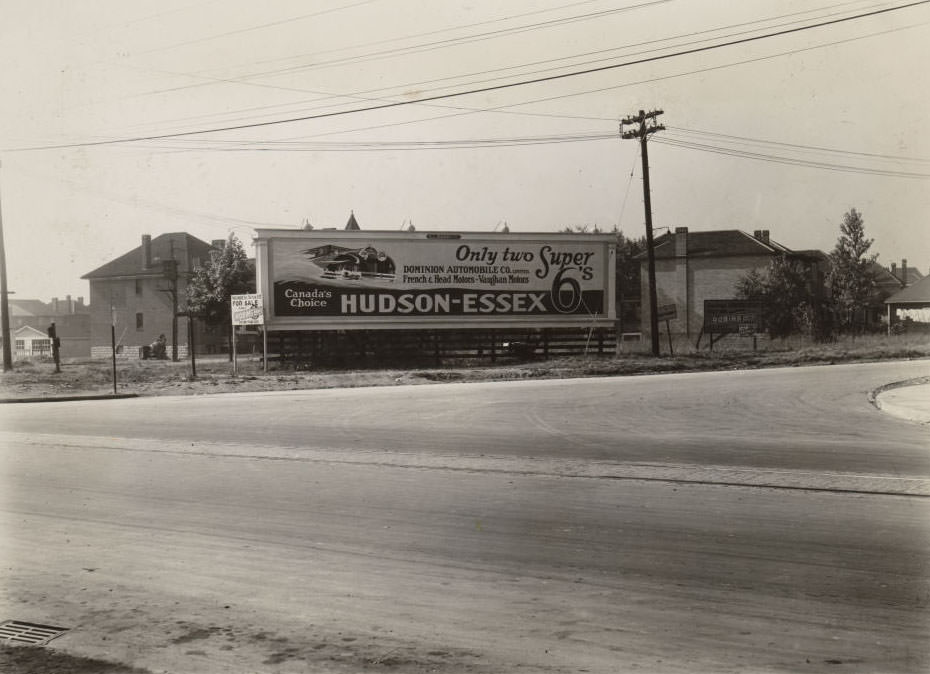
[127, 117]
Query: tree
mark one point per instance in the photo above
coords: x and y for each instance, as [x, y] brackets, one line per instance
[227, 273]
[626, 266]
[752, 286]
[629, 284]
[784, 290]
[851, 279]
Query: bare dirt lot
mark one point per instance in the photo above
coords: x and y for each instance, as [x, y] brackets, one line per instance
[38, 379]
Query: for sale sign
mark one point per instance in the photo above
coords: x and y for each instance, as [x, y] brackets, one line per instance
[247, 310]
[365, 279]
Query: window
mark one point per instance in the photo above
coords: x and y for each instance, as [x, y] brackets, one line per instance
[139, 322]
[138, 286]
[41, 346]
[20, 345]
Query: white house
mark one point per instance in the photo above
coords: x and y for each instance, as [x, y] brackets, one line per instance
[27, 342]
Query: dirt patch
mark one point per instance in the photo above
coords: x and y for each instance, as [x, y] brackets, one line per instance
[215, 375]
[39, 660]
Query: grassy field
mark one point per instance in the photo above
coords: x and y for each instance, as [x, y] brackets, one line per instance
[38, 379]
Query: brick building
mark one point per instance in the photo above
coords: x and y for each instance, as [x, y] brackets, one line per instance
[695, 266]
[71, 318]
[142, 289]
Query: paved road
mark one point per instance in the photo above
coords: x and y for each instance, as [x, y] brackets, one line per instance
[745, 521]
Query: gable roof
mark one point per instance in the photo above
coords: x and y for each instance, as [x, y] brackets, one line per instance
[883, 276]
[918, 293]
[184, 246]
[718, 243]
[352, 224]
[27, 331]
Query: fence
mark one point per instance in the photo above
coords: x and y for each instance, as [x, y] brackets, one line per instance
[376, 347]
[131, 352]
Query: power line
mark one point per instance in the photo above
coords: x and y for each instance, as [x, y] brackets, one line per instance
[395, 104]
[315, 146]
[504, 109]
[813, 148]
[400, 51]
[364, 95]
[270, 24]
[791, 161]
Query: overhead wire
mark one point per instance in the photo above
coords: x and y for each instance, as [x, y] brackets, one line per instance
[796, 146]
[672, 130]
[569, 61]
[487, 89]
[246, 80]
[791, 161]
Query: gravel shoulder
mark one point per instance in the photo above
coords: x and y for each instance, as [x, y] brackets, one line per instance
[39, 380]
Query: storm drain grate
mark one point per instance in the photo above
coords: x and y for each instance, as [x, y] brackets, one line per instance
[17, 631]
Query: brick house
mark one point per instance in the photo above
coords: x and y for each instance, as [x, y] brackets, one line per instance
[910, 305]
[695, 266]
[142, 289]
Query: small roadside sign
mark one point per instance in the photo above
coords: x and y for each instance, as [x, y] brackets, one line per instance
[667, 312]
[247, 310]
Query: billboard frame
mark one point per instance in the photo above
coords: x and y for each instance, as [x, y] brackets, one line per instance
[603, 246]
[745, 318]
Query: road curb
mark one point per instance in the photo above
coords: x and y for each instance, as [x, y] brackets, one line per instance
[912, 408]
[62, 399]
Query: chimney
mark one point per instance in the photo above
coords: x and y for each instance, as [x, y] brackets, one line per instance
[69, 305]
[681, 242]
[757, 234]
[765, 235]
[80, 302]
[55, 306]
[146, 251]
[903, 271]
[894, 269]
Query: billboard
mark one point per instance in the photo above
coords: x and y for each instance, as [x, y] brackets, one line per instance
[345, 280]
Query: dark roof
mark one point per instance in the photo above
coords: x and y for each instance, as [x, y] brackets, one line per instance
[185, 246]
[884, 278]
[913, 274]
[718, 243]
[29, 308]
[919, 293]
[352, 224]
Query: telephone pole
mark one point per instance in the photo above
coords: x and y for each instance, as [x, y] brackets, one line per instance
[5, 306]
[647, 126]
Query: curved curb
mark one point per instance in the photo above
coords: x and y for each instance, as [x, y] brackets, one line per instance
[920, 416]
[64, 399]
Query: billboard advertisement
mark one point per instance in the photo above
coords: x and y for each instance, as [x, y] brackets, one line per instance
[341, 280]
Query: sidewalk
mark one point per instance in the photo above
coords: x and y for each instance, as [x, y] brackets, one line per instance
[906, 402]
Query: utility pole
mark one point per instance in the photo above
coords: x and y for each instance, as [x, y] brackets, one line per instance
[5, 306]
[171, 273]
[642, 133]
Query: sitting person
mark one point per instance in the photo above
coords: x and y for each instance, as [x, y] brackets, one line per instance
[160, 347]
